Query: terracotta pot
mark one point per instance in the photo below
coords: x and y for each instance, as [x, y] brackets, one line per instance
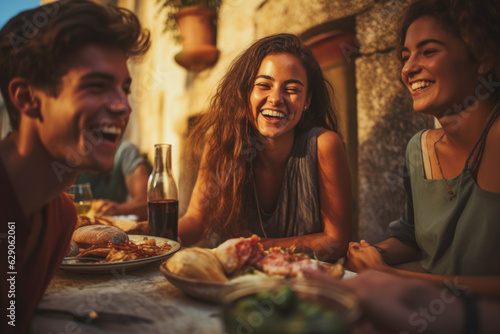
[197, 34]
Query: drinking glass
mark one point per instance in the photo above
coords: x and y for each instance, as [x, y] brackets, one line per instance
[81, 196]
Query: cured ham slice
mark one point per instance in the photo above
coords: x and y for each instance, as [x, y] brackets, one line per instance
[279, 262]
[233, 254]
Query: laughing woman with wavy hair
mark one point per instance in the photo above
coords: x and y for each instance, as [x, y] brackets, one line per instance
[272, 163]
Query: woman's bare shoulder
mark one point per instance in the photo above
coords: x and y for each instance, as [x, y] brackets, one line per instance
[330, 147]
[328, 140]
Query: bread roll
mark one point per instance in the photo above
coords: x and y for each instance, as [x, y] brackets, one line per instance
[96, 251]
[98, 235]
[197, 263]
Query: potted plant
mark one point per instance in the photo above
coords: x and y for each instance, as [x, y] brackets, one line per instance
[193, 23]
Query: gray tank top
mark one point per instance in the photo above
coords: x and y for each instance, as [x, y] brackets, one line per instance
[298, 209]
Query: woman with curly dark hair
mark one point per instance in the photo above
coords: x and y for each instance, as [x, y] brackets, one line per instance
[450, 56]
[273, 163]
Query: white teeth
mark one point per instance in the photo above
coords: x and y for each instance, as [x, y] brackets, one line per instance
[273, 113]
[110, 129]
[420, 84]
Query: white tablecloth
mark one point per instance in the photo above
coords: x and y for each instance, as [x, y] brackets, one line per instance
[144, 292]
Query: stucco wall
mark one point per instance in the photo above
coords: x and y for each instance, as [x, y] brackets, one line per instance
[165, 95]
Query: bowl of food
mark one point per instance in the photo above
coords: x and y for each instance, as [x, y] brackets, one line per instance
[206, 273]
[289, 306]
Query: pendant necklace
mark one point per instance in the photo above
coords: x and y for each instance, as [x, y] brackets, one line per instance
[258, 205]
[448, 188]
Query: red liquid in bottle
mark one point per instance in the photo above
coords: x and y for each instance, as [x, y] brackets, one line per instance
[163, 216]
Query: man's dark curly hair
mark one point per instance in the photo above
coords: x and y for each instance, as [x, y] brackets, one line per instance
[39, 43]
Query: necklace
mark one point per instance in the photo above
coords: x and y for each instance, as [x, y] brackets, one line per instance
[258, 206]
[448, 188]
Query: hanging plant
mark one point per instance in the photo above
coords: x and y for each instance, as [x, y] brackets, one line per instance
[172, 7]
[193, 23]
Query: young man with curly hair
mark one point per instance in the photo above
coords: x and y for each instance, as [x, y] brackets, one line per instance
[65, 82]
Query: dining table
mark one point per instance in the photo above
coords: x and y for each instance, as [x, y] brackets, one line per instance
[137, 292]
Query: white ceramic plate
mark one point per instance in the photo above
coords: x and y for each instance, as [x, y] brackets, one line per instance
[125, 223]
[99, 268]
[127, 217]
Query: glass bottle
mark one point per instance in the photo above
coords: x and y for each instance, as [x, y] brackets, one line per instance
[163, 203]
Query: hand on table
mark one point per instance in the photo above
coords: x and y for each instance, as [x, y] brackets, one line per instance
[361, 255]
[106, 207]
[141, 228]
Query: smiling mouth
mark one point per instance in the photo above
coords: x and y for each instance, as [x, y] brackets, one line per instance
[419, 85]
[108, 132]
[273, 114]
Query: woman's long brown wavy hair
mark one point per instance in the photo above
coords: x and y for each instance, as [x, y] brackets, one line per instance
[230, 140]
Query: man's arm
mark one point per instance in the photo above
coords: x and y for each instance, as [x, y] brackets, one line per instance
[137, 187]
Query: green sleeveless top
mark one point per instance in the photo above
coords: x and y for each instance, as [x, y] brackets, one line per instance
[460, 234]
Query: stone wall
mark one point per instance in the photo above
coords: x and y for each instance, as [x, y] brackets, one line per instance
[386, 121]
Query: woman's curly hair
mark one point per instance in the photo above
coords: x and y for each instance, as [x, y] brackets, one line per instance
[476, 22]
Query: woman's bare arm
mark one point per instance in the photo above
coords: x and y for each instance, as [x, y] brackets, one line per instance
[190, 228]
[363, 256]
[395, 252]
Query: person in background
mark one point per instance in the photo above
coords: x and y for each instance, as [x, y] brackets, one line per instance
[273, 163]
[123, 189]
[450, 56]
[66, 85]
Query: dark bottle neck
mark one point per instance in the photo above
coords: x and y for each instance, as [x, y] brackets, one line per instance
[163, 159]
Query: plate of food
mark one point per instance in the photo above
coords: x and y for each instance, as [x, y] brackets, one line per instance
[101, 249]
[206, 273]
